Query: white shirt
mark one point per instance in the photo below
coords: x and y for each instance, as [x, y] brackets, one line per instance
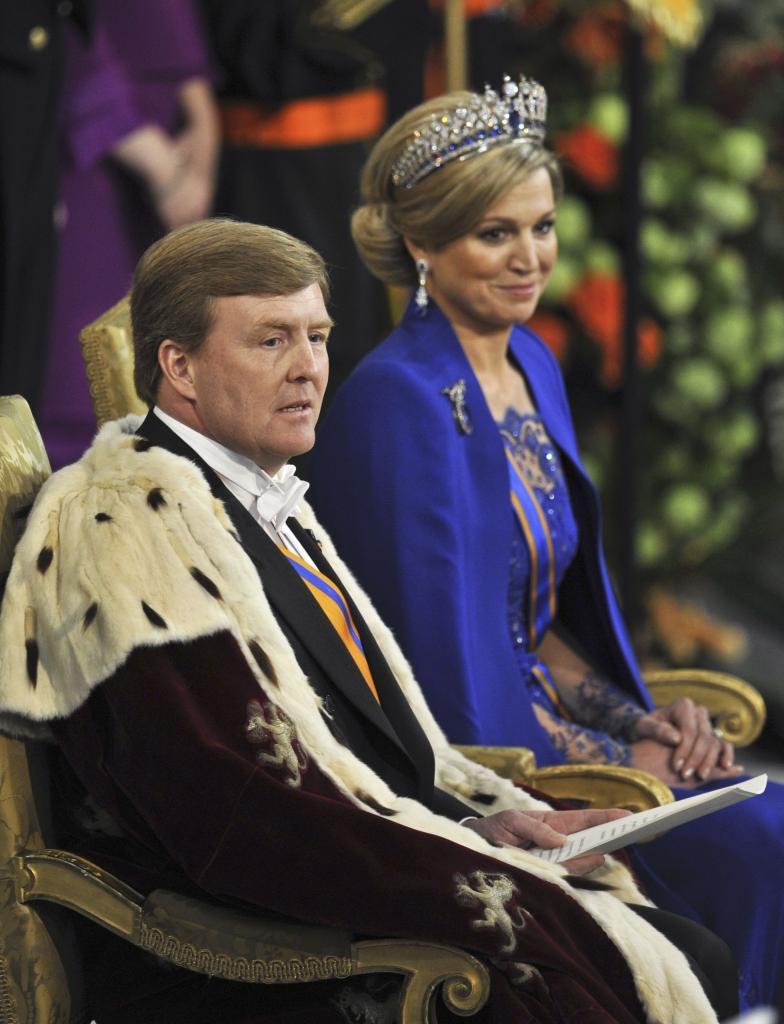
[269, 499]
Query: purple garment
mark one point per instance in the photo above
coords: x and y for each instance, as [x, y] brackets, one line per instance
[129, 75]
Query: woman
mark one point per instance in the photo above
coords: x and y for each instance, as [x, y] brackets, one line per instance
[138, 147]
[474, 526]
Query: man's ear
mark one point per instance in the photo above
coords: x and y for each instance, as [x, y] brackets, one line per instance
[176, 364]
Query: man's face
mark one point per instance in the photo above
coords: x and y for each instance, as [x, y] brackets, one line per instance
[258, 379]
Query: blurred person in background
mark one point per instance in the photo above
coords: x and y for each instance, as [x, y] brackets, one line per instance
[448, 473]
[301, 99]
[138, 151]
[32, 46]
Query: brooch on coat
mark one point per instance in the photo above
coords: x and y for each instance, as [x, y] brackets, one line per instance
[456, 393]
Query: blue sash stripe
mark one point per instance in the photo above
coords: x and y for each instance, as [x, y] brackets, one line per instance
[333, 604]
[536, 534]
[332, 592]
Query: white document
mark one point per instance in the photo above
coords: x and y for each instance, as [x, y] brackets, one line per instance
[646, 824]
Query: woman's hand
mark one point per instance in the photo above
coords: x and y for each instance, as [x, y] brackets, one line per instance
[200, 138]
[185, 197]
[689, 751]
[179, 192]
[178, 172]
[548, 829]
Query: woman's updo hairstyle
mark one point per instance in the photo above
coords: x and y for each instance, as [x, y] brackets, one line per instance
[447, 203]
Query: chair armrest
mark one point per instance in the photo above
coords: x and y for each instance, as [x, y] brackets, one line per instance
[464, 981]
[735, 706]
[74, 882]
[256, 947]
[595, 785]
[602, 785]
[514, 763]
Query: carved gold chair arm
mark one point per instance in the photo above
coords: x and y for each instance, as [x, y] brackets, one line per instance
[515, 763]
[734, 705]
[107, 350]
[600, 785]
[251, 947]
[463, 980]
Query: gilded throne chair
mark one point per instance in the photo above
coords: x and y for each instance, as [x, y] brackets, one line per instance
[41, 885]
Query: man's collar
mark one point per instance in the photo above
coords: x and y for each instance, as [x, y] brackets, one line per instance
[275, 497]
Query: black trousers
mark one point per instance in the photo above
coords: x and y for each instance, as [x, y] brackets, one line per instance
[708, 955]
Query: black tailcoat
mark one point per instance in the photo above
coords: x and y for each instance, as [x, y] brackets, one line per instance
[386, 737]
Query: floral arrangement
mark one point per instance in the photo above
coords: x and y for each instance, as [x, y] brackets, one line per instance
[712, 330]
[679, 20]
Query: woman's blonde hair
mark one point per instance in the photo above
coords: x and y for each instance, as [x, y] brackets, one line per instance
[446, 204]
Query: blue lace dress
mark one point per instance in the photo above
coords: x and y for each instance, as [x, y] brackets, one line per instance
[740, 849]
[542, 550]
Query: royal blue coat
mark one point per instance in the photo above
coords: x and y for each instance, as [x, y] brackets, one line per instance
[421, 512]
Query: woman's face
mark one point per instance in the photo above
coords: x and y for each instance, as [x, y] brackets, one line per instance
[493, 277]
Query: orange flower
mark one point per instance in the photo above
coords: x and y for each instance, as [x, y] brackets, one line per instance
[597, 301]
[553, 330]
[591, 154]
[649, 344]
[596, 36]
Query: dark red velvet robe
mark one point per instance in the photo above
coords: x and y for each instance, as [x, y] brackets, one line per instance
[164, 746]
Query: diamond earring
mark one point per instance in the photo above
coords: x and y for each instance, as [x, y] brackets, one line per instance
[421, 297]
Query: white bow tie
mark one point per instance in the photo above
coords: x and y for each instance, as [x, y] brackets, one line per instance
[280, 496]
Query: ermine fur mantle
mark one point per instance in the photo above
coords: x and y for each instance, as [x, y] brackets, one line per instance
[123, 541]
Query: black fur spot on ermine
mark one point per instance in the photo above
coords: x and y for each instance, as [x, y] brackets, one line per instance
[206, 582]
[153, 616]
[89, 615]
[263, 661]
[102, 517]
[578, 882]
[370, 801]
[155, 499]
[141, 444]
[483, 798]
[31, 647]
[44, 560]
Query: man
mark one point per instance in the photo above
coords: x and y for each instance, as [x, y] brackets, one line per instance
[32, 64]
[177, 619]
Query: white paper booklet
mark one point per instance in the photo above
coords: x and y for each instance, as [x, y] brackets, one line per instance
[647, 824]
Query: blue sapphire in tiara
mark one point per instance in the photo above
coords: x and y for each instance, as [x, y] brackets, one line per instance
[518, 114]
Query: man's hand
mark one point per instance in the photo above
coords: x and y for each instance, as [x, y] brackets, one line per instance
[696, 752]
[548, 829]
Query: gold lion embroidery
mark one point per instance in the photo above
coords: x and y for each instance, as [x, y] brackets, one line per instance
[522, 974]
[492, 892]
[267, 724]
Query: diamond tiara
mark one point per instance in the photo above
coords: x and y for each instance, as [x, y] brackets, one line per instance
[518, 114]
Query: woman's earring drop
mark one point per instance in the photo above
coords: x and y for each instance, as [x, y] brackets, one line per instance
[421, 297]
